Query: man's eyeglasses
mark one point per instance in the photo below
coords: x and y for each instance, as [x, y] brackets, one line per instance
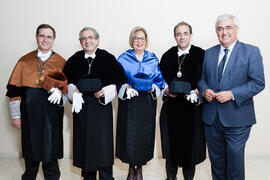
[85, 38]
[227, 28]
[42, 36]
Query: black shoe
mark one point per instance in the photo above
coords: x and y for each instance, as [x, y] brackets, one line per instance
[189, 173]
[171, 178]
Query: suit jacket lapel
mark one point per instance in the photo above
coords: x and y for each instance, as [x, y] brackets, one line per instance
[231, 60]
[215, 62]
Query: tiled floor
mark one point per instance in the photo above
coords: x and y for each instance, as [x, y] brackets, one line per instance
[256, 169]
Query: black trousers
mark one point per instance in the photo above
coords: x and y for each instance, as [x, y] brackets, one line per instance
[105, 173]
[171, 171]
[50, 170]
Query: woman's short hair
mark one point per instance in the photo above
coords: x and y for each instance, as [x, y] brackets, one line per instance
[132, 34]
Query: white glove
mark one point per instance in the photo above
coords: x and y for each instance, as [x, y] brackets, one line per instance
[77, 102]
[55, 97]
[192, 97]
[131, 93]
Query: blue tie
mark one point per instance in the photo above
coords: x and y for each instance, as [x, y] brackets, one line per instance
[221, 64]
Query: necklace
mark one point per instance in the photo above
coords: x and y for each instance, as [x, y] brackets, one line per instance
[90, 61]
[179, 73]
[41, 65]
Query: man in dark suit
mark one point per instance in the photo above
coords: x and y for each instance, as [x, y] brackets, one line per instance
[232, 74]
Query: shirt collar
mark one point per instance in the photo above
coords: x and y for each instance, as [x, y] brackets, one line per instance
[230, 47]
[186, 51]
[43, 56]
[93, 55]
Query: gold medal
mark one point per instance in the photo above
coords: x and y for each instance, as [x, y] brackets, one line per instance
[42, 77]
[41, 70]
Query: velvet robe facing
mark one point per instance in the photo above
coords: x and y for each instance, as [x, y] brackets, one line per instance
[136, 121]
[93, 125]
[182, 133]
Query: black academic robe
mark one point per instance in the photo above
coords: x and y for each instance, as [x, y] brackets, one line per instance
[93, 125]
[182, 133]
[135, 137]
[136, 121]
[42, 126]
[41, 121]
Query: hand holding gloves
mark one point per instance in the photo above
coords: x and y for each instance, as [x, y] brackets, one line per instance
[55, 97]
[131, 93]
[192, 97]
[77, 102]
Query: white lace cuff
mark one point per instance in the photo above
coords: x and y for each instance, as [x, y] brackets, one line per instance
[14, 109]
[122, 91]
[71, 88]
[110, 93]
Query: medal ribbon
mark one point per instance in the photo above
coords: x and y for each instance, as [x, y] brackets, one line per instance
[179, 73]
[41, 65]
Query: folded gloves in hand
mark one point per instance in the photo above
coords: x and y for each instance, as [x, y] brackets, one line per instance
[131, 93]
[77, 102]
[55, 97]
[192, 97]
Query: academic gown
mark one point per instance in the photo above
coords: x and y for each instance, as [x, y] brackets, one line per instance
[42, 121]
[136, 121]
[182, 133]
[93, 125]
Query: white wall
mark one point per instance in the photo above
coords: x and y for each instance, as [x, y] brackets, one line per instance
[114, 19]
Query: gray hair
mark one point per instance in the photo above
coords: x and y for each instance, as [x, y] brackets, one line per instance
[181, 24]
[89, 29]
[227, 16]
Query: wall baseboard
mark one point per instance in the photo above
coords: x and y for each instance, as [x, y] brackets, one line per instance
[69, 156]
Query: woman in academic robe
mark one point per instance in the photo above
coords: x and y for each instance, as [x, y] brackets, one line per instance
[137, 104]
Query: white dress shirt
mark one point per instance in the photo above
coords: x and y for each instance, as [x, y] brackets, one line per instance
[222, 53]
[42, 56]
[186, 51]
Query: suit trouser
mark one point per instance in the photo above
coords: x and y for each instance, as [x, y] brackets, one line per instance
[171, 170]
[105, 173]
[226, 148]
[50, 170]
